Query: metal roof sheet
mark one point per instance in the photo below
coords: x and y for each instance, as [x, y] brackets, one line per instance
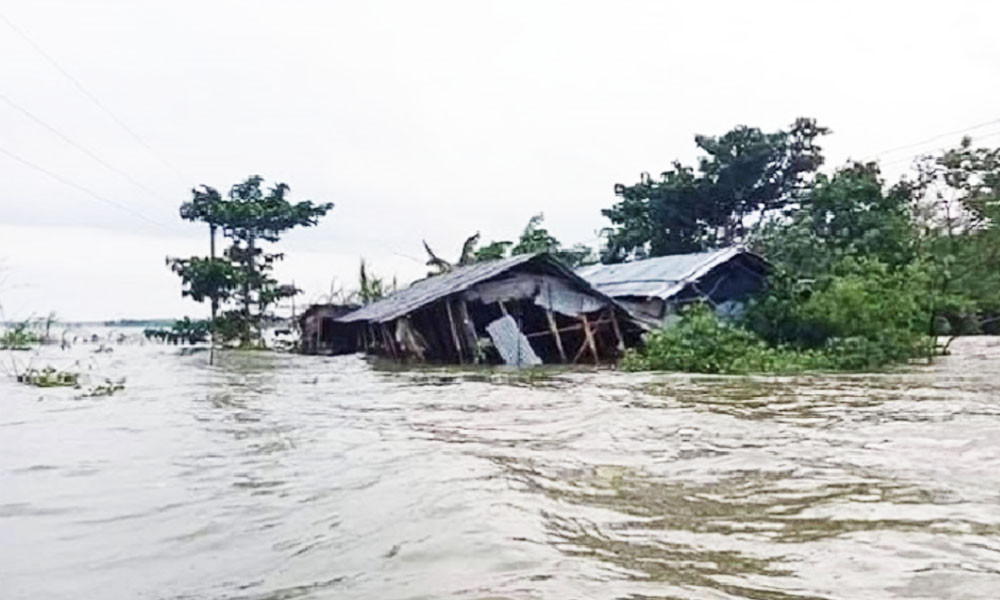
[660, 277]
[434, 288]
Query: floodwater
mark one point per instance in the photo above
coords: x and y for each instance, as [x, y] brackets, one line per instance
[273, 477]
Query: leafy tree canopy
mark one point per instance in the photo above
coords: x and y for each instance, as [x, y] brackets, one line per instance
[536, 238]
[248, 215]
[744, 174]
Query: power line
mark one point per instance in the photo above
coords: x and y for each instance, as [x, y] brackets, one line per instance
[81, 148]
[930, 139]
[90, 96]
[79, 187]
[903, 159]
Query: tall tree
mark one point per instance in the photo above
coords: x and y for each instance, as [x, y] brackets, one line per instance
[248, 216]
[204, 205]
[958, 215]
[850, 213]
[744, 174]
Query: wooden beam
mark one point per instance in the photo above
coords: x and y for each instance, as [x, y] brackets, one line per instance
[454, 330]
[578, 327]
[388, 341]
[618, 331]
[590, 339]
[469, 329]
[580, 350]
[439, 321]
[555, 335]
[412, 341]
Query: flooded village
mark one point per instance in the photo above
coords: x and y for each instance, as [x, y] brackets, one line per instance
[775, 410]
[455, 300]
[533, 309]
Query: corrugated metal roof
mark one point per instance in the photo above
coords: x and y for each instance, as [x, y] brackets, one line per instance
[660, 277]
[434, 288]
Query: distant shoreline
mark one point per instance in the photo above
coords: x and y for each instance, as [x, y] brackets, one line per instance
[112, 323]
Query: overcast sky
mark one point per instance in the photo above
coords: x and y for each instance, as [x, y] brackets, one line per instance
[424, 119]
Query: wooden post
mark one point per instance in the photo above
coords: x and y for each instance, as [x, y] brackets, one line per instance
[503, 308]
[388, 340]
[618, 331]
[580, 351]
[555, 335]
[469, 329]
[590, 339]
[410, 342]
[454, 330]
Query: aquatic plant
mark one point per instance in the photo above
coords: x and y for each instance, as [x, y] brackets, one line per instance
[108, 388]
[19, 337]
[49, 377]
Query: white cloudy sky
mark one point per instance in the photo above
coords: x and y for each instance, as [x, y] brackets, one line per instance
[424, 119]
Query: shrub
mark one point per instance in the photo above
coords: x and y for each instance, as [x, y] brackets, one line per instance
[701, 343]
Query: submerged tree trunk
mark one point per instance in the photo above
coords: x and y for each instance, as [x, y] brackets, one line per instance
[248, 268]
[215, 296]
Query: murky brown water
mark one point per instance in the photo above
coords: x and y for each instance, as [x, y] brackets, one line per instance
[279, 477]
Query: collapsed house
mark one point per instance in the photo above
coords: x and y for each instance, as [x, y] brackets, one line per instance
[524, 310]
[655, 288]
[321, 333]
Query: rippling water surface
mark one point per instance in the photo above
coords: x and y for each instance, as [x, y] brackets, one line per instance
[272, 476]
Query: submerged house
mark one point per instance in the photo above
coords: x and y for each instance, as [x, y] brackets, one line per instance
[526, 309]
[321, 333]
[654, 288]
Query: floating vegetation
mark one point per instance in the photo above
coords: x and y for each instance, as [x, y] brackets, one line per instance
[108, 388]
[18, 337]
[49, 377]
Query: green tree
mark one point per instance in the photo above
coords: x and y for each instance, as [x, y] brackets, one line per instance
[372, 287]
[957, 215]
[744, 174]
[848, 214]
[536, 238]
[492, 251]
[204, 205]
[248, 216]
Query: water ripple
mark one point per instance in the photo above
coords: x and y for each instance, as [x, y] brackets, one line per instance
[270, 477]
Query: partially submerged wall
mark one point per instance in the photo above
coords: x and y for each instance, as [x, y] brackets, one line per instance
[520, 318]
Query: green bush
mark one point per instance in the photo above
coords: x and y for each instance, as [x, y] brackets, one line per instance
[701, 343]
